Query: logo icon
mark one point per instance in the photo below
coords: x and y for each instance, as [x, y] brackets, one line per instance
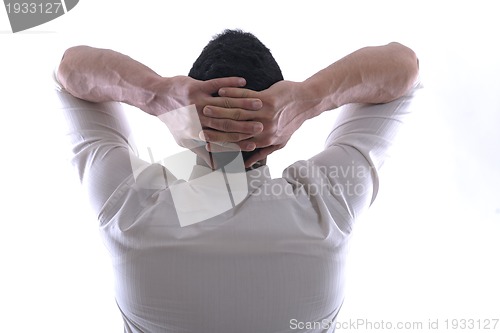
[198, 194]
[26, 14]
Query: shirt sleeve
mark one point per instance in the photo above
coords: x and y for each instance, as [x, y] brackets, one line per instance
[100, 141]
[346, 172]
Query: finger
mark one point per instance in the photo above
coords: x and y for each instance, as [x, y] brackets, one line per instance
[254, 104]
[213, 86]
[221, 112]
[230, 125]
[228, 91]
[222, 147]
[260, 155]
[223, 138]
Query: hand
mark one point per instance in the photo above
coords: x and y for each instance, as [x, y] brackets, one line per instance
[281, 116]
[179, 102]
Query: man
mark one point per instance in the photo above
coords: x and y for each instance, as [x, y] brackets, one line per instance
[272, 260]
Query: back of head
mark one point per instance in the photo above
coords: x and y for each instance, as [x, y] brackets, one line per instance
[237, 53]
[241, 54]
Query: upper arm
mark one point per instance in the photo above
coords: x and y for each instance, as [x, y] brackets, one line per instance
[101, 152]
[355, 151]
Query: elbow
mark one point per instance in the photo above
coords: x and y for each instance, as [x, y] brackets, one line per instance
[412, 68]
[407, 69]
[67, 65]
[409, 64]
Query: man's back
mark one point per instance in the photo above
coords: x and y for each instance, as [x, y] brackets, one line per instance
[271, 261]
[257, 267]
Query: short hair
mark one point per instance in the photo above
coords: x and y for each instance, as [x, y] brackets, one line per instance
[237, 53]
[241, 54]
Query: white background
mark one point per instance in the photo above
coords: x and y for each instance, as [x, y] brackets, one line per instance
[427, 250]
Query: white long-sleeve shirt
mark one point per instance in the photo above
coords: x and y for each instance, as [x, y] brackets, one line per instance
[256, 254]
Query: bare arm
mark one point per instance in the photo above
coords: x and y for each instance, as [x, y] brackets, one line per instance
[101, 75]
[370, 75]
[373, 75]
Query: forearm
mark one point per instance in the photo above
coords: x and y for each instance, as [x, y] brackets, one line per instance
[370, 75]
[100, 75]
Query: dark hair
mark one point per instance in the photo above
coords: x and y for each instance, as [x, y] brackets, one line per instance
[237, 53]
